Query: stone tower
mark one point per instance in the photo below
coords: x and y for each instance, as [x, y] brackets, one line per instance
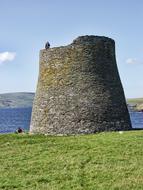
[79, 89]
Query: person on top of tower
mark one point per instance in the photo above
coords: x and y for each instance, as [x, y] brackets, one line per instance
[47, 45]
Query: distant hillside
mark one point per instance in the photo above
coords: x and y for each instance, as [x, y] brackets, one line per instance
[13, 100]
[25, 99]
[136, 102]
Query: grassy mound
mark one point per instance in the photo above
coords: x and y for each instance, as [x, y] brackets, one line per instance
[104, 161]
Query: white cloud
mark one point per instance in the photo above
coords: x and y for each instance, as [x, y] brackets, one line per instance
[133, 61]
[7, 56]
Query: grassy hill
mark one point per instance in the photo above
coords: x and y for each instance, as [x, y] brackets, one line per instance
[105, 161]
[138, 102]
[20, 99]
[135, 101]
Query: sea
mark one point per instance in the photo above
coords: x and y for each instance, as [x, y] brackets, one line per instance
[13, 118]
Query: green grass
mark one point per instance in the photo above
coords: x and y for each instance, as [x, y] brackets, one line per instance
[103, 161]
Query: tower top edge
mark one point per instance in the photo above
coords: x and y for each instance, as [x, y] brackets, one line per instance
[85, 40]
[91, 39]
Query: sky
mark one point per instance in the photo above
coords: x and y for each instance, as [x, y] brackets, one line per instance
[26, 25]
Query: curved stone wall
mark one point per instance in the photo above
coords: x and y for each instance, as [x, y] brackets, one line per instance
[79, 89]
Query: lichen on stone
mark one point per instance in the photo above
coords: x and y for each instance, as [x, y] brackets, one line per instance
[79, 89]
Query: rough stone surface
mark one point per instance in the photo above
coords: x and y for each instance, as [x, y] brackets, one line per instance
[79, 90]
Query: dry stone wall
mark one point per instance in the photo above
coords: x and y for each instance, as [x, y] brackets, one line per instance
[79, 89]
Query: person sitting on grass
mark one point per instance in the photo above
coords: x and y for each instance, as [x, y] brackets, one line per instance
[19, 130]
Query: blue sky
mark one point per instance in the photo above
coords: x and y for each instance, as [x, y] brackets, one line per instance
[26, 25]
